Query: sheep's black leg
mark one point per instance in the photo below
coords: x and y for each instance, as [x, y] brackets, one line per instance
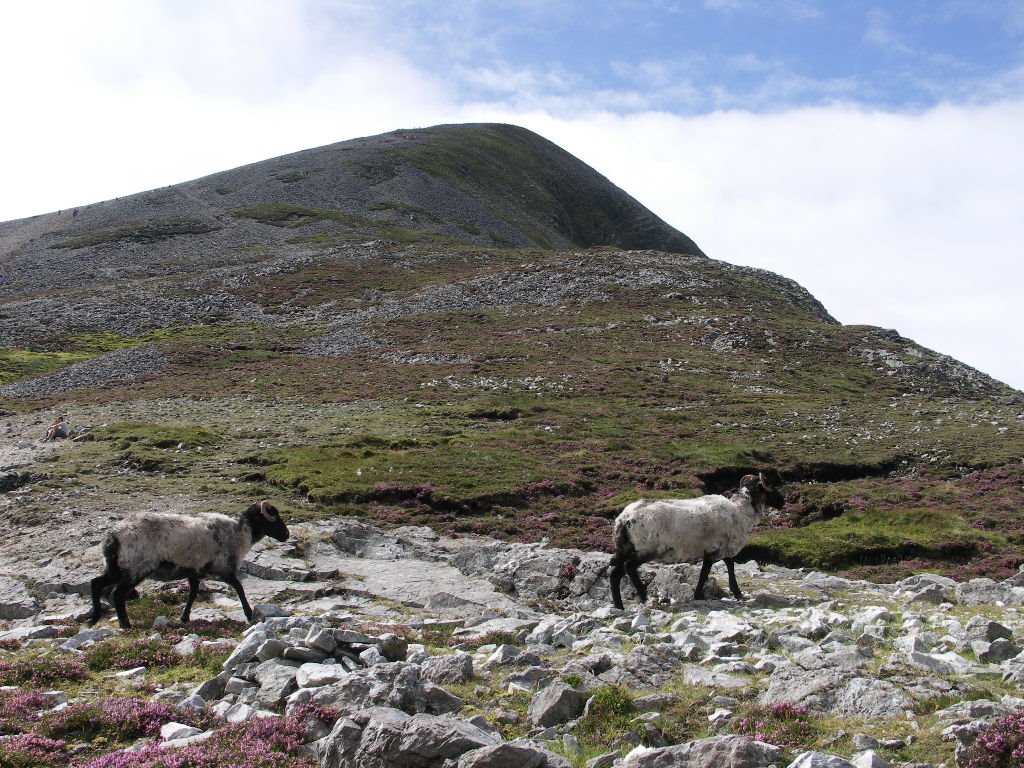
[234, 582]
[193, 590]
[120, 594]
[734, 587]
[632, 571]
[112, 574]
[97, 586]
[705, 569]
[615, 580]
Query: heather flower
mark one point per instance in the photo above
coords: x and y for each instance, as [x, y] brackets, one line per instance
[259, 743]
[1001, 746]
[782, 724]
[29, 750]
[19, 707]
[42, 671]
[116, 718]
[569, 569]
[151, 653]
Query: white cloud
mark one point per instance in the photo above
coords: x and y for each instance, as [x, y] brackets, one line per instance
[106, 99]
[911, 221]
[693, 83]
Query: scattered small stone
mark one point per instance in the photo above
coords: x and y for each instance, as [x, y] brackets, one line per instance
[870, 759]
[173, 731]
[862, 742]
[819, 760]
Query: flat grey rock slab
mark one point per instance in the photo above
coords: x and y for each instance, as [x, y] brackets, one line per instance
[713, 752]
[415, 582]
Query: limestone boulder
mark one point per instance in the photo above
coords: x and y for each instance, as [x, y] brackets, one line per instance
[714, 752]
[835, 691]
[276, 680]
[396, 685]
[503, 756]
[15, 600]
[555, 704]
[451, 668]
[387, 737]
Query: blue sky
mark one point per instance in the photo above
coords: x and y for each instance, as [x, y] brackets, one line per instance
[692, 57]
[869, 150]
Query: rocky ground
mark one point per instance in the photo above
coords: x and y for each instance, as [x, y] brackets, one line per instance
[472, 652]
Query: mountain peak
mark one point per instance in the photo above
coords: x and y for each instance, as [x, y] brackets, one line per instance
[488, 185]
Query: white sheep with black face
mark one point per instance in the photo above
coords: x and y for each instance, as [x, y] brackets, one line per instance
[707, 528]
[167, 546]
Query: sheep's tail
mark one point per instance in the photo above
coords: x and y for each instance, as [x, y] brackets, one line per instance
[111, 553]
[624, 548]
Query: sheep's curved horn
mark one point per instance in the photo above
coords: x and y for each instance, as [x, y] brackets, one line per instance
[263, 511]
[764, 483]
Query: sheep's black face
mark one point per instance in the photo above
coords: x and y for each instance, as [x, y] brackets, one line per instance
[761, 493]
[773, 498]
[273, 525]
[278, 531]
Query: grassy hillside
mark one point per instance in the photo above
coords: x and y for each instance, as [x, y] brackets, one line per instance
[524, 392]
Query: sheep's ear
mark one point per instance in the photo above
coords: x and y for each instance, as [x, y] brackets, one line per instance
[267, 511]
[764, 481]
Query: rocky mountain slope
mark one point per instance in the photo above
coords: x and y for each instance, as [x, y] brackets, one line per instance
[435, 350]
[445, 327]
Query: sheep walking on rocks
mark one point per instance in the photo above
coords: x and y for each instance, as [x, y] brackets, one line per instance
[707, 528]
[168, 546]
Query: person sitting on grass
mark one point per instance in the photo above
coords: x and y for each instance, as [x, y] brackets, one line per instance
[59, 428]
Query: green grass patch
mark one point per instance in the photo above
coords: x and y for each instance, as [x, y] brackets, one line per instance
[325, 238]
[703, 456]
[464, 471]
[873, 537]
[162, 436]
[146, 232]
[18, 364]
[609, 716]
[294, 175]
[21, 364]
[153, 653]
[404, 209]
[292, 216]
[103, 341]
[158, 447]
